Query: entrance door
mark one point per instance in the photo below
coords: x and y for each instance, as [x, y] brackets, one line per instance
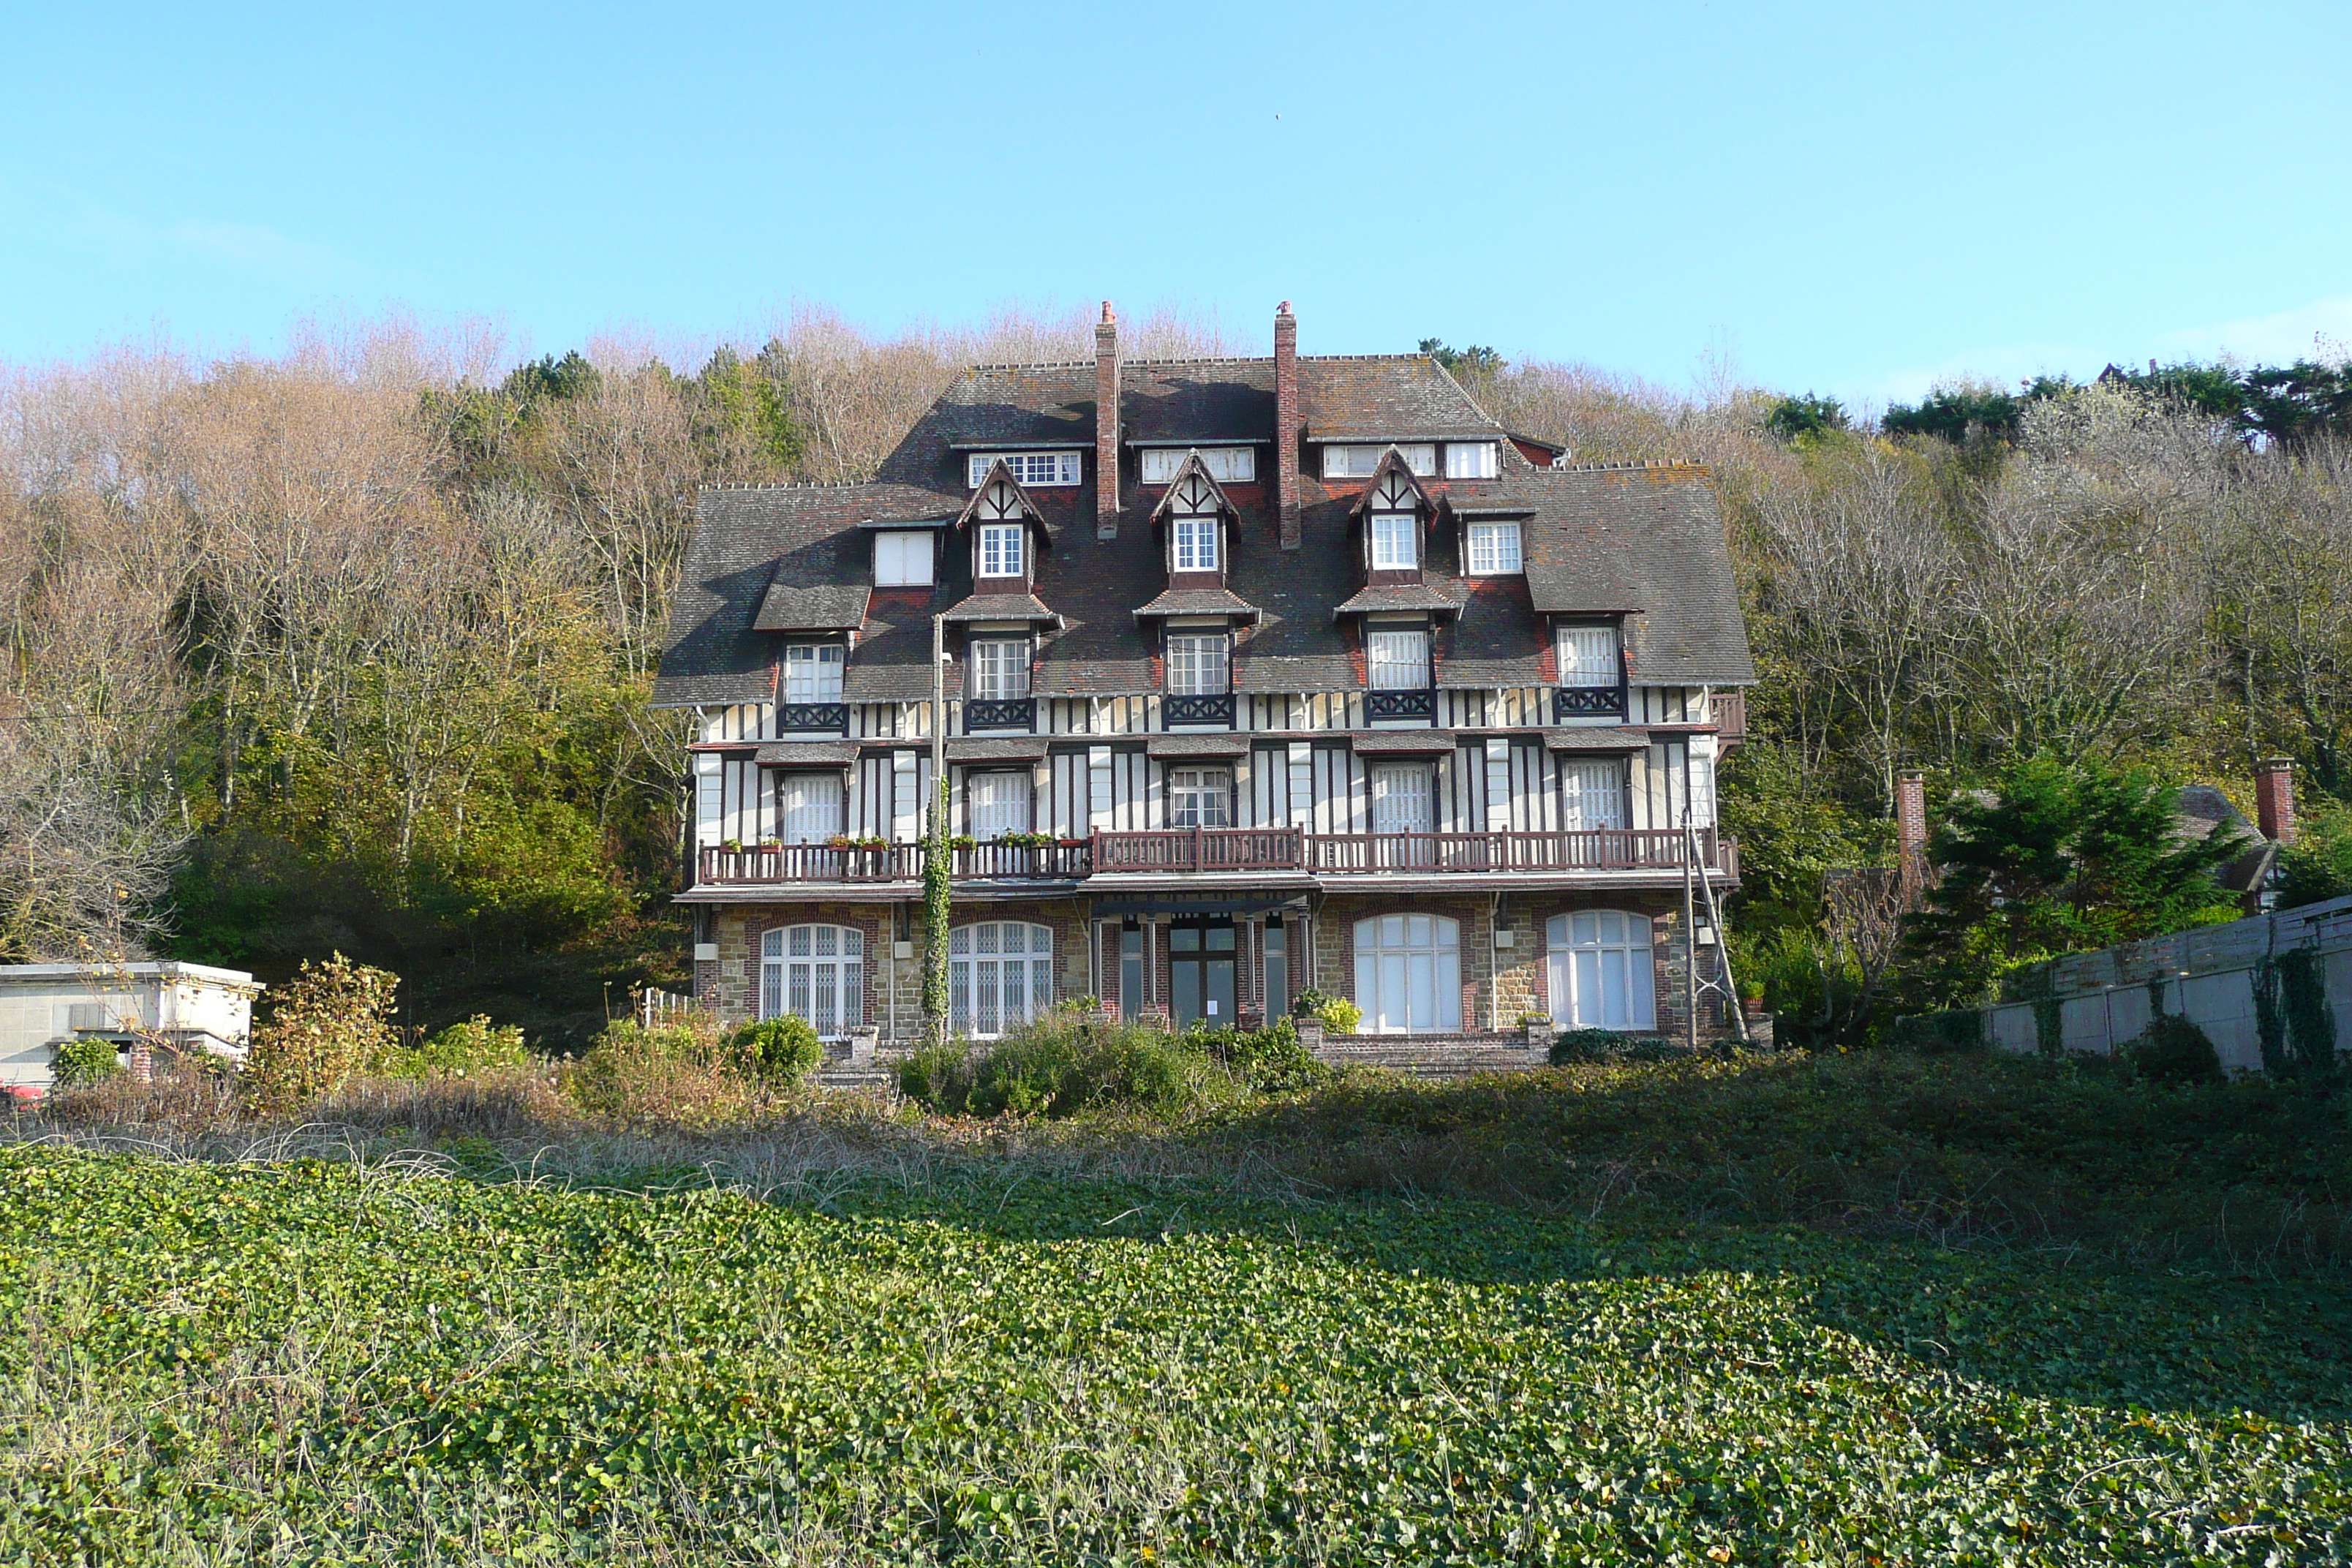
[1200, 972]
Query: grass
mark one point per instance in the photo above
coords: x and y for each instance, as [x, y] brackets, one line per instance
[1724, 1311]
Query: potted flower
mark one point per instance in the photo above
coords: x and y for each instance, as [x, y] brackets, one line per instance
[732, 846]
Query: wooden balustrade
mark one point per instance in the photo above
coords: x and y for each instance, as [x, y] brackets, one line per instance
[1191, 849]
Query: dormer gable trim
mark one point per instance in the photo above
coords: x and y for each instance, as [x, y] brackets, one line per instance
[999, 498]
[1391, 485]
[1192, 486]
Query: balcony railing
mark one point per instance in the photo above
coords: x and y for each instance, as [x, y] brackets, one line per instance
[1379, 705]
[1194, 850]
[1199, 709]
[1588, 702]
[1730, 713]
[813, 718]
[1000, 714]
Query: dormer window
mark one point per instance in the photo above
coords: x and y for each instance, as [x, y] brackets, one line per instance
[1198, 664]
[1196, 543]
[1397, 660]
[1033, 469]
[1469, 460]
[1395, 542]
[1000, 549]
[1353, 462]
[1226, 465]
[812, 672]
[902, 560]
[1494, 549]
[1589, 656]
[1000, 668]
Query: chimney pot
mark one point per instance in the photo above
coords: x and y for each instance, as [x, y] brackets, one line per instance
[2275, 798]
[1107, 424]
[1286, 423]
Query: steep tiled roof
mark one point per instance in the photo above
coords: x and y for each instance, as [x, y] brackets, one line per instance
[1408, 596]
[810, 607]
[1000, 607]
[1386, 397]
[1196, 602]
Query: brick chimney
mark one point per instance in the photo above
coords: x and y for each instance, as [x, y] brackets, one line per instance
[1107, 424]
[1911, 831]
[2275, 799]
[1286, 422]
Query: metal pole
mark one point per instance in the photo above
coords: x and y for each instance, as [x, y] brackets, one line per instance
[1690, 946]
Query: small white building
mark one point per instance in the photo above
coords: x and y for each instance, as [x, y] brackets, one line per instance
[188, 1007]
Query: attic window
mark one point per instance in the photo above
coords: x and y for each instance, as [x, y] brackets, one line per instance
[1589, 656]
[1469, 460]
[1393, 544]
[1358, 462]
[1031, 468]
[902, 560]
[812, 672]
[1226, 465]
[1196, 543]
[1494, 549]
[1000, 549]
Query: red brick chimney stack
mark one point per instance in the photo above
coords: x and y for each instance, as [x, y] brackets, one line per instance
[1911, 831]
[2275, 799]
[1107, 424]
[1286, 422]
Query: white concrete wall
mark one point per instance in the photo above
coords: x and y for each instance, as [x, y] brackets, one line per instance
[2220, 1003]
[38, 1005]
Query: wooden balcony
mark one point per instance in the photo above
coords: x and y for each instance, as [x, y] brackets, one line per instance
[1188, 850]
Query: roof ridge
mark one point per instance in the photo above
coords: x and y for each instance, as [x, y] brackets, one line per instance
[797, 484]
[1624, 463]
[1031, 364]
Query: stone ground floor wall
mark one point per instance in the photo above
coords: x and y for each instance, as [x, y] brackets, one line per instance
[1504, 954]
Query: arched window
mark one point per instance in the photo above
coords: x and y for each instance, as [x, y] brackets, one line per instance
[1601, 976]
[1000, 975]
[1409, 972]
[816, 972]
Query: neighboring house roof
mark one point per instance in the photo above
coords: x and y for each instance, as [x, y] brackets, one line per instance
[1641, 540]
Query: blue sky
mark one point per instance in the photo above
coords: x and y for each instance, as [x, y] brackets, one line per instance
[1856, 199]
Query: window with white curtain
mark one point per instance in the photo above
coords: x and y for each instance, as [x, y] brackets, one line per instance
[1000, 668]
[1588, 656]
[1000, 549]
[1592, 794]
[1033, 468]
[1200, 798]
[1601, 971]
[1356, 462]
[1400, 798]
[997, 803]
[813, 671]
[1702, 790]
[809, 807]
[902, 560]
[1000, 975]
[1198, 664]
[1470, 459]
[1396, 541]
[1226, 465]
[1409, 974]
[1196, 544]
[816, 973]
[1494, 549]
[1397, 661]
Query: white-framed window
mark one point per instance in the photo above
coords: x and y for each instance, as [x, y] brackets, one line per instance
[1200, 798]
[1601, 974]
[1198, 664]
[1352, 462]
[817, 972]
[1470, 459]
[809, 807]
[1196, 543]
[1588, 656]
[813, 671]
[1396, 541]
[1031, 468]
[1701, 790]
[1494, 549]
[998, 804]
[902, 560]
[1592, 794]
[1000, 668]
[1401, 802]
[1000, 549]
[1397, 661]
[1226, 465]
[1000, 975]
[1409, 972]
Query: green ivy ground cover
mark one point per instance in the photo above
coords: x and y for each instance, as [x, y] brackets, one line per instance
[318, 1364]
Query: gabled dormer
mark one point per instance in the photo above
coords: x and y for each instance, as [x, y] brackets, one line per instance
[1195, 524]
[1004, 531]
[1391, 520]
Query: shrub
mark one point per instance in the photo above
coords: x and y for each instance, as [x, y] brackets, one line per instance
[1339, 1015]
[1269, 1060]
[2172, 1049]
[779, 1050]
[84, 1059]
[472, 1048]
[686, 1074]
[1587, 1045]
[1063, 1063]
[331, 1023]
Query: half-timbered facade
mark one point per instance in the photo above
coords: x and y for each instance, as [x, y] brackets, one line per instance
[1260, 675]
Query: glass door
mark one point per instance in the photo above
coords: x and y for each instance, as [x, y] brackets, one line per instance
[1200, 972]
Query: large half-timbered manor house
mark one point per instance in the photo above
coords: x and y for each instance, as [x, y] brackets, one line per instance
[1261, 674]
